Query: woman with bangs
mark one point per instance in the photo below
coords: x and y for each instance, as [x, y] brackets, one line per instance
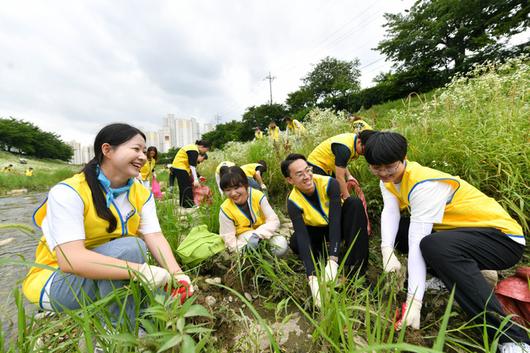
[246, 218]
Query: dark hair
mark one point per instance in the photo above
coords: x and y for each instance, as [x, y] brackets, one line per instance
[385, 147]
[284, 166]
[153, 148]
[233, 177]
[114, 135]
[263, 164]
[288, 118]
[204, 156]
[203, 143]
[222, 171]
[365, 135]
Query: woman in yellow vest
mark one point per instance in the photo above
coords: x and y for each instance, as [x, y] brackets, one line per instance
[332, 156]
[453, 228]
[29, 171]
[258, 134]
[246, 217]
[254, 173]
[294, 127]
[319, 215]
[219, 171]
[97, 229]
[148, 170]
[184, 169]
[274, 132]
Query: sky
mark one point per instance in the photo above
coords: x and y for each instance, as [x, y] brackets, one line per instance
[71, 67]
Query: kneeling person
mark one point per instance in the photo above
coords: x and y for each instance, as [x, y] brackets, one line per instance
[246, 217]
[319, 215]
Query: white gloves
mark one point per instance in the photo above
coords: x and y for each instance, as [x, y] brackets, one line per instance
[411, 314]
[153, 275]
[330, 271]
[263, 187]
[390, 261]
[315, 291]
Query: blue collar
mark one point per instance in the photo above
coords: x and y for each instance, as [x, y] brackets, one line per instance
[111, 193]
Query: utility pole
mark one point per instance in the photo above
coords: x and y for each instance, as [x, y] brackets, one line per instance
[217, 119]
[270, 78]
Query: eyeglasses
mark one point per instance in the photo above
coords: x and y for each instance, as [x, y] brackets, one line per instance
[384, 170]
[307, 171]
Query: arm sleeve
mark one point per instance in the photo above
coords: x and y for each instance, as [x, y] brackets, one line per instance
[64, 221]
[218, 182]
[227, 231]
[260, 169]
[416, 264]
[148, 218]
[298, 223]
[194, 173]
[389, 217]
[342, 154]
[335, 215]
[192, 157]
[272, 222]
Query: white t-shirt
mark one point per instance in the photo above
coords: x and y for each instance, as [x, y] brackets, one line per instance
[64, 220]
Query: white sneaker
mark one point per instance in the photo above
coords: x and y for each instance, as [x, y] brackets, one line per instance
[512, 347]
[435, 284]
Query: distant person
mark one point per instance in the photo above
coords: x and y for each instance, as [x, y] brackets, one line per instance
[258, 134]
[246, 218]
[8, 169]
[453, 227]
[219, 171]
[294, 127]
[274, 132]
[254, 173]
[332, 156]
[319, 216]
[358, 124]
[98, 227]
[29, 172]
[148, 170]
[184, 169]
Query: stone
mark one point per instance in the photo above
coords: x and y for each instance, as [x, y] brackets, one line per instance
[6, 241]
[210, 301]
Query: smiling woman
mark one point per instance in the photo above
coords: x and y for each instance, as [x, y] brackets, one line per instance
[97, 227]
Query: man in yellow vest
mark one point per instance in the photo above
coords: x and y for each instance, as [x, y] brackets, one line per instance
[294, 127]
[319, 214]
[258, 134]
[274, 132]
[254, 173]
[29, 172]
[332, 156]
[454, 228]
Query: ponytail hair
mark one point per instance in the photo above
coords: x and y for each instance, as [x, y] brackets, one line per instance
[114, 135]
[203, 143]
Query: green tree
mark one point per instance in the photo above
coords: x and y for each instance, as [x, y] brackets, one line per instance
[451, 35]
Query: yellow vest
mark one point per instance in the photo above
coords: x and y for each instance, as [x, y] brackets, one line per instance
[95, 231]
[250, 169]
[315, 217]
[258, 135]
[360, 125]
[469, 207]
[147, 170]
[274, 134]
[29, 172]
[181, 160]
[323, 157]
[223, 164]
[241, 221]
[295, 127]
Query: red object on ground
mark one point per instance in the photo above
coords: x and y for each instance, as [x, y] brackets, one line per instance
[155, 188]
[399, 316]
[202, 194]
[514, 295]
[354, 184]
[182, 292]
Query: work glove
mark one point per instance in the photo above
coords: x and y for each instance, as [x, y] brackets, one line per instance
[202, 179]
[410, 314]
[263, 187]
[315, 291]
[184, 279]
[253, 241]
[196, 184]
[390, 261]
[330, 271]
[183, 289]
[153, 275]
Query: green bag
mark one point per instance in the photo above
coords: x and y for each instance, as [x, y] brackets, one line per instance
[199, 245]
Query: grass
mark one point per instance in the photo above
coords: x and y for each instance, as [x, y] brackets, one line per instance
[477, 127]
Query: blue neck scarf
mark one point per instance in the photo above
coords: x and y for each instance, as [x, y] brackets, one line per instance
[110, 192]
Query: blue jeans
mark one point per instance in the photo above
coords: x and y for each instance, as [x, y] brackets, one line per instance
[68, 291]
[253, 183]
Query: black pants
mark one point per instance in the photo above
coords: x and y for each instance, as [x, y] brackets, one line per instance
[185, 186]
[456, 256]
[353, 227]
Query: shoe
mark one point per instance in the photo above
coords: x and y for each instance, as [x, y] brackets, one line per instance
[512, 347]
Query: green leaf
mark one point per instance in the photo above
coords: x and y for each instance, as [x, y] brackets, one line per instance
[188, 345]
[197, 310]
[171, 343]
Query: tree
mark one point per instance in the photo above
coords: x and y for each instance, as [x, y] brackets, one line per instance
[451, 35]
[332, 80]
